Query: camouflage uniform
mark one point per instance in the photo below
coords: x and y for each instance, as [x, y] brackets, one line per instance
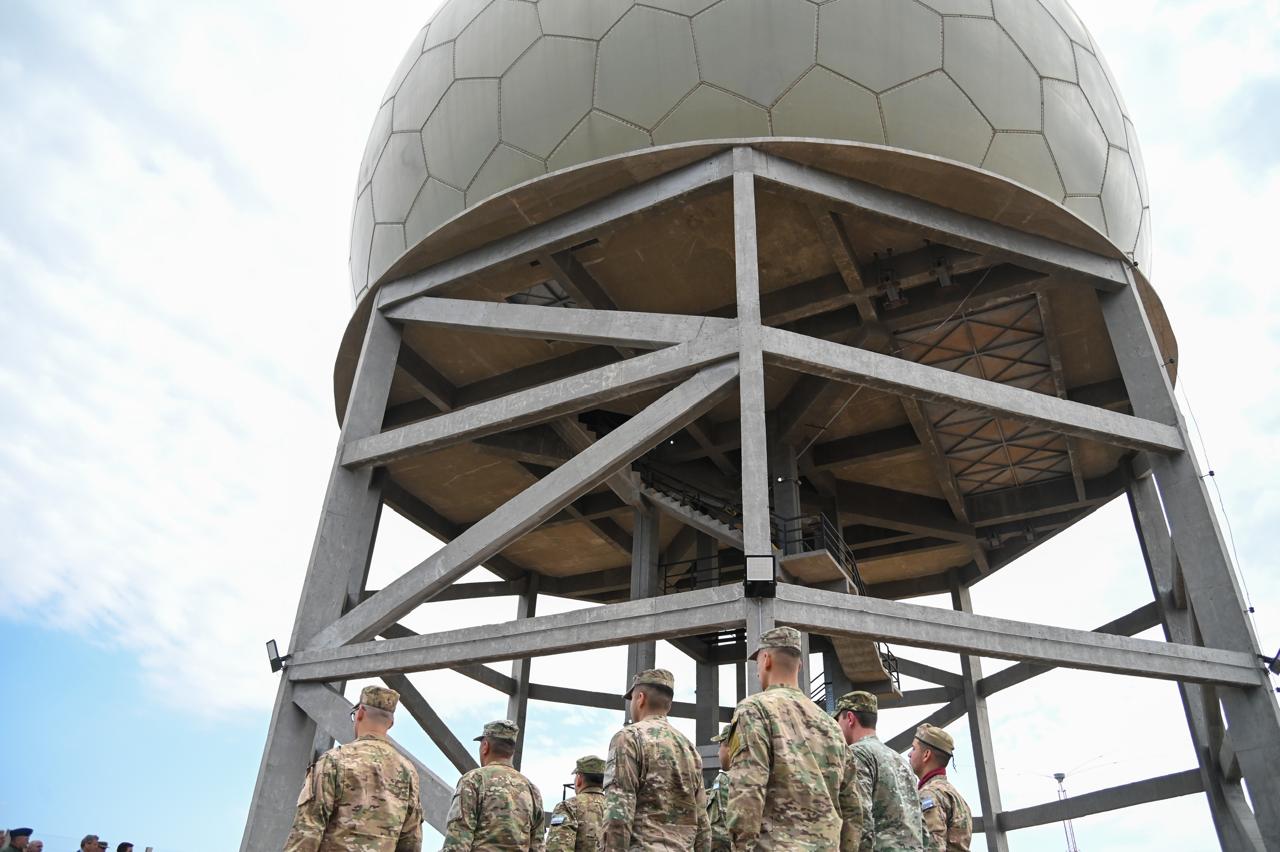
[948, 822]
[495, 807]
[575, 823]
[654, 797]
[717, 810]
[792, 784]
[362, 796]
[718, 802]
[888, 786]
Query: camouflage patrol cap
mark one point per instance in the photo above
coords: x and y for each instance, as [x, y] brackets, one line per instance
[724, 733]
[589, 765]
[858, 702]
[380, 698]
[653, 677]
[778, 637]
[502, 729]
[936, 738]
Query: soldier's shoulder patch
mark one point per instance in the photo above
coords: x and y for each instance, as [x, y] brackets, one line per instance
[926, 803]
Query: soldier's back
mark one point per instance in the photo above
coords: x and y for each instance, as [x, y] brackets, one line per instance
[374, 797]
[575, 823]
[890, 787]
[948, 822]
[495, 807]
[669, 797]
[785, 747]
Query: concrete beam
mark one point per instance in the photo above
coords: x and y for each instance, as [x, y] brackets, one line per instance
[563, 230]
[425, 379]
[682, 614]
[930, 627]
[538, 404]
[896, 442]
[432, 725]
[536, 503]
[943, 224]
[576, 325]
[929, 384]
[884, 507]
[1100, 801]
[1141, 619]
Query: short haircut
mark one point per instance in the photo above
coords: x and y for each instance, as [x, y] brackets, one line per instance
[501, 748]
[936, 753]
[789, 658]
[89, 840]
[377, 714]
[658, 697]
[866, 718]
[124, 847]
[593, 779]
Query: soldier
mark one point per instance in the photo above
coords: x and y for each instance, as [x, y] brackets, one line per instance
[18, 838]
[718, 796]
[575, 823]
[494, 806]
[890, 801]
[362, 795]
[654, 797]
[792, 784]
[948, 822]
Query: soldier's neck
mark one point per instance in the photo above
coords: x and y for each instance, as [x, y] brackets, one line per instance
[863, 734]
[497, 761]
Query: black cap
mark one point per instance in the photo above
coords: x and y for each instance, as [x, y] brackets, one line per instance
[21, 832]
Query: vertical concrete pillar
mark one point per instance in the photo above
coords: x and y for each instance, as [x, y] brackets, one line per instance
[838, 682]
[645, 582]
[518, 701]
[707, 721]
[339, 563]
[1198, 545]
[757, 540]
[984, 762]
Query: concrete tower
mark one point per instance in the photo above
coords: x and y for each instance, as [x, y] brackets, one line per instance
[722, 314]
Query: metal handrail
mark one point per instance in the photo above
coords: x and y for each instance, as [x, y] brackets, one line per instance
[798, 534]
[728, 513]
[816, 532]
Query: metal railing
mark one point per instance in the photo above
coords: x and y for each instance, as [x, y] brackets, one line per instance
[807, 533]
[689, 574]
[723, 510]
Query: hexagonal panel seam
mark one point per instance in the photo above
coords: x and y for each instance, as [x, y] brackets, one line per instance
[480, 168]
[421, 50]
[373, 168]
[793, 84]
[1030, 64]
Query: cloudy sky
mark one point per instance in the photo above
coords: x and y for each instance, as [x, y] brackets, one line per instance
[173, 239]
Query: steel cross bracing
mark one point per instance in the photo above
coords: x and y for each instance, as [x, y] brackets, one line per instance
[696, 362]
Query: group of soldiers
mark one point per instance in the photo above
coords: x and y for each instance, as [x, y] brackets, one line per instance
[791, 777]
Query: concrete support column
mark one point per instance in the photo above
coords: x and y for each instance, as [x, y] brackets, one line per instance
[518, 701]
[984, 761]
[707, 695]
[740, 680]
[1232, 818]
[1211, 588]
[757, 540]
[645, 583]
[838, 682]
[338, 566]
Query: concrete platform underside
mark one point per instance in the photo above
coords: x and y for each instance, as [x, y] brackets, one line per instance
[715, 388]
